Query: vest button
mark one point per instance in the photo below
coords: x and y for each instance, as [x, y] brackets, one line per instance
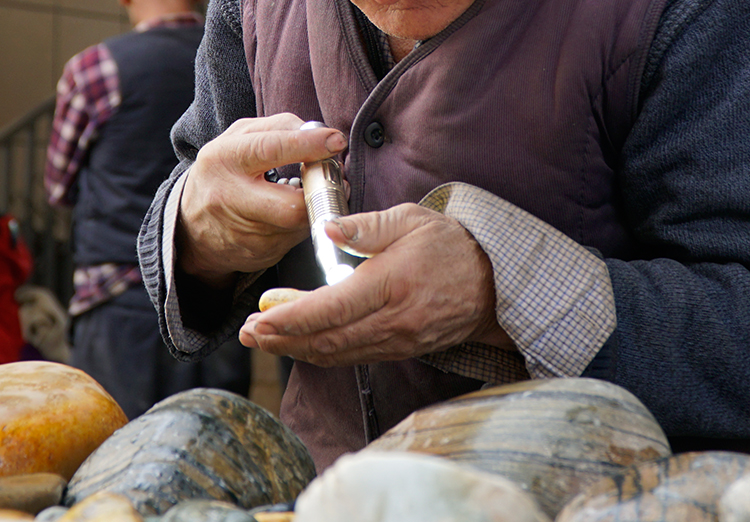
[374, 135]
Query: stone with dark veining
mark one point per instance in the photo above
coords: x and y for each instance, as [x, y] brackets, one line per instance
[198, 444]
[552, 437]
[683, 488]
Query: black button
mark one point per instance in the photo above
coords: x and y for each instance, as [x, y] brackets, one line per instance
[374, 135]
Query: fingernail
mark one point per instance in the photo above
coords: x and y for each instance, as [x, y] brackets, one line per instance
[349, 229]
[336, 142]
[265, 329]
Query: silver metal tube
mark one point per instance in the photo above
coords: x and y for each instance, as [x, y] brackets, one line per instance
[325, 199]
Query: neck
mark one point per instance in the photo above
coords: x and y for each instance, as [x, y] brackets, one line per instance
[400, 47]
[142, 11]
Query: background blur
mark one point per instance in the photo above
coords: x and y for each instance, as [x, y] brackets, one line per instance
[37, 37]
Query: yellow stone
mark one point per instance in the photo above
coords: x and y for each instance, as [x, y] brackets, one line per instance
[52, 416]
[102, 507]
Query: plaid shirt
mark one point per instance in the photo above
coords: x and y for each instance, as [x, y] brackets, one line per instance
[88, 94]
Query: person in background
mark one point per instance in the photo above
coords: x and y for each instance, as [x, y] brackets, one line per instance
[547, 189]
[16, 265]
[108, 152]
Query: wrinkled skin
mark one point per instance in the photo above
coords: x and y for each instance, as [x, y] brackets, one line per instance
[231, 218]
[428, 287]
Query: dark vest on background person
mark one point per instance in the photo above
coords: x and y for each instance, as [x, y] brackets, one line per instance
[133, 153]
[530, 100]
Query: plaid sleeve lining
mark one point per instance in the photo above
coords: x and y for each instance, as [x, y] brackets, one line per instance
[554, 297]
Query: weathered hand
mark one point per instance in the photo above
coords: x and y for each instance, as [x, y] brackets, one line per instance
[428, 288]
[231, 219]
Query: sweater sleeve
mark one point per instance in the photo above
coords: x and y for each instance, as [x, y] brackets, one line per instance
[682, 343]
[223, 95]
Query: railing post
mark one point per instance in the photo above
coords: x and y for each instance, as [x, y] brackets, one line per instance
[6, 163]
[21, 192]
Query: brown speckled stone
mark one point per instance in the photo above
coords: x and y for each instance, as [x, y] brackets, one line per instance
[198, 444]
[553, 437]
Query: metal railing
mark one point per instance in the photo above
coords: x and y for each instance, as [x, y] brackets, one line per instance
[23, 146]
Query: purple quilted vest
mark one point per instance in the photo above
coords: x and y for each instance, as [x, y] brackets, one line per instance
[528, 99]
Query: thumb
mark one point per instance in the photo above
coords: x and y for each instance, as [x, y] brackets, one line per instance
[370, 233]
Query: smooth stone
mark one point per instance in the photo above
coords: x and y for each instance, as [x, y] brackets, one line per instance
[552, 437]
[103, 507]
[206, 511]
[31, 492]
[734, 504]
[13, 515]
[51, 514]
[397, 486]
[198, 444]
[52, 416]
[275, 517]
[283, 512]
[683, 488]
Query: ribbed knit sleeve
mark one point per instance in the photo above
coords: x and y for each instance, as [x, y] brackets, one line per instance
[682, 343]
[223, 95]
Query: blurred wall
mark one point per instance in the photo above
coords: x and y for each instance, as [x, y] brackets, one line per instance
[37, 37]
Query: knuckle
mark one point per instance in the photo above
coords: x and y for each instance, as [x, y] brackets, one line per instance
[288, 120]
[267, 148]
[237, 126]
[326, 345]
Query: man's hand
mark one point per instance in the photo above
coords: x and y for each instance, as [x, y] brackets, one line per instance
[231, 218]
[429, 287]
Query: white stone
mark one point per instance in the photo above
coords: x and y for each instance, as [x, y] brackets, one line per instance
[376, 486]
[734, 505]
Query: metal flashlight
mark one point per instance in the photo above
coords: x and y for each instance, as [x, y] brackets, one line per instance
[325, 199]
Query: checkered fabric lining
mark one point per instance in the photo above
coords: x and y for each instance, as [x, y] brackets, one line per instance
[554, 297]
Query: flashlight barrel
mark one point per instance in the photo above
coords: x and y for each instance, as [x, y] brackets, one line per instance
[325, 199]
[323, 185]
